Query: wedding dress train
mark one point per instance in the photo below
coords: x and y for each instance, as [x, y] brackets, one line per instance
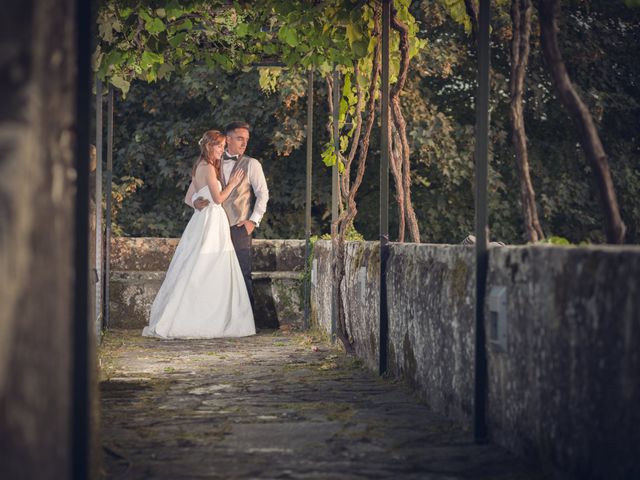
[203, 294]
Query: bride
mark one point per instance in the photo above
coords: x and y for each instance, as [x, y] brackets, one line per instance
[203, 294]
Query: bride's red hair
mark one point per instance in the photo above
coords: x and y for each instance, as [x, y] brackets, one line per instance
[208, 140]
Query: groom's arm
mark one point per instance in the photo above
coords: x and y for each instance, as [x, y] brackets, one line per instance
[260, 190]
[199, 202]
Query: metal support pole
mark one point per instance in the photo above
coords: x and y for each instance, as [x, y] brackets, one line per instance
[98, 198]
[80, 438]
[384, 189]
[307, 212]
[482, 255]
[335, 191]
[107, 237]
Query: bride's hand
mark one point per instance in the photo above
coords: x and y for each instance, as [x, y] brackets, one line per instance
[236, 178]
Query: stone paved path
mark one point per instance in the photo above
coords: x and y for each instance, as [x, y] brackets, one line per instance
[272, 407]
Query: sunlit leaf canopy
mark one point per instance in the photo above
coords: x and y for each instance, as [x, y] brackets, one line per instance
[149, 41]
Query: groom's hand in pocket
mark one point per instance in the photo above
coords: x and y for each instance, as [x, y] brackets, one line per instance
[248, 224]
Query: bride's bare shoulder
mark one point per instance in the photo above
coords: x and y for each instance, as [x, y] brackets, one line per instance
[205, 169]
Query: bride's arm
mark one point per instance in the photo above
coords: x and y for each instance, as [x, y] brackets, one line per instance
[214, 187]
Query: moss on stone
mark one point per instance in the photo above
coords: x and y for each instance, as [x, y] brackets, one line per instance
[459, 277]
[410, 365]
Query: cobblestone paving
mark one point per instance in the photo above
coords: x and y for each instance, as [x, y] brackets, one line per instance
[276, 405]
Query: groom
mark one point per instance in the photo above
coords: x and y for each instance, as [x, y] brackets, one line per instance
[242, 218]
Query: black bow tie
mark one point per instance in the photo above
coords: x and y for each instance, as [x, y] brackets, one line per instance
[230, 157]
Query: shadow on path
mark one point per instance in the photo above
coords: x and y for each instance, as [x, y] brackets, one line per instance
[270, 406]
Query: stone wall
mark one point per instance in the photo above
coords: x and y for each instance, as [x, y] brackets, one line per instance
[138, 267]
[38, 283]
[563, 388]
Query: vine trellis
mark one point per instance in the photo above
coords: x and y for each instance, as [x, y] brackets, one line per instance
[340, 40]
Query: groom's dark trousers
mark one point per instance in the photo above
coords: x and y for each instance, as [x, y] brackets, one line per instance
[242, 244]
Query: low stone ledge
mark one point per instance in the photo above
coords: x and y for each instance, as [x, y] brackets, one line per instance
[133, 277]
[138, 267]
[276, 275]
[278, 298]
[154, 254]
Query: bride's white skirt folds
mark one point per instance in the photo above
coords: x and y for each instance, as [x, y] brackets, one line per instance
[203, 294]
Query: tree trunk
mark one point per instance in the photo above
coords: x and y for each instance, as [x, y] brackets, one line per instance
[395, 162]
[521, 19]
[579, 113]
[402, 175]
[360, 144]
[330, 87]
[472, 10]
[355, 139]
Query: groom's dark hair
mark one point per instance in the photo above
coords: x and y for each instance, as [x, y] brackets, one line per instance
[235, 125]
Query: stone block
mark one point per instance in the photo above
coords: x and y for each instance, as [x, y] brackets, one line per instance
[278, 255]
[278, 299]
[130, 297]
[141, 253]
[566, 389]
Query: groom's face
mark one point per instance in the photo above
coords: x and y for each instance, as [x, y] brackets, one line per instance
[237, 141]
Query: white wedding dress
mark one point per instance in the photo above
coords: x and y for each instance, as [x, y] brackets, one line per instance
[203, 294]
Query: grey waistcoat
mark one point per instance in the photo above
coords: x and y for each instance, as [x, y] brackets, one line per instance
[238, 203]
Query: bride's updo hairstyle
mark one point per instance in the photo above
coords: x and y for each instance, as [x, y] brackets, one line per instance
[208, 140]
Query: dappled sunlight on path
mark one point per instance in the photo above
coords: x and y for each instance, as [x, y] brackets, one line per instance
[275, 405]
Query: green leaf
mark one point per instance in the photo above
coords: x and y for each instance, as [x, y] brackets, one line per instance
[177, 39]
[344, 107]
[269, 79]
[121, 84]
[184, 25]
[150, 58]
[344, 143]
[115, 57]
[458, 13]
[242, 30]
[288, 35]
[329, 155]
[164, 70]
[325, 67]
[353, 33]
[151, 76]
[174, 10]
[105, 29]
[155, 26]
[556, 240]
[346, 88]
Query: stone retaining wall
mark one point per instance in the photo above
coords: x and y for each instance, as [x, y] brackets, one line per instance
[138, 267]
[563, 328]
